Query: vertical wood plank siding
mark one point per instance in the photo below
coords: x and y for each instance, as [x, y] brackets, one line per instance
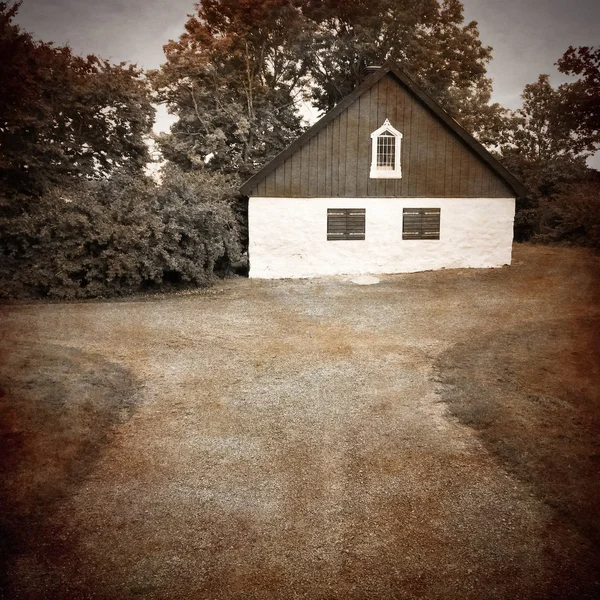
[381, 116]
[337, 160]
[335, 157]
[353, 151]
[362, 175]
[373, 118]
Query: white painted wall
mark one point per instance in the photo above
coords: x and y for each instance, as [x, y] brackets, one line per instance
[288, 236]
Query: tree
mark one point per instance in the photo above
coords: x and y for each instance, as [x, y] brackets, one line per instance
[64, 117]
[554, 126]
[235, 76]
[232, 79]
[562, 123]
[548, 140]
[582, 98]
[538, 131]
[427, 38]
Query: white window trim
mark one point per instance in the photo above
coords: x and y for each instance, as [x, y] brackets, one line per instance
[376, 173]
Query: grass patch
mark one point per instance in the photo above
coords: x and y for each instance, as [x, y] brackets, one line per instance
[533, 397]
[58, 407]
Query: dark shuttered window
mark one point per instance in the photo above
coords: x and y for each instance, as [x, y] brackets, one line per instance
[346, 223]
[421, 224]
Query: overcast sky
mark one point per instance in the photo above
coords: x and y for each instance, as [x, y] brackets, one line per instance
[528, 36]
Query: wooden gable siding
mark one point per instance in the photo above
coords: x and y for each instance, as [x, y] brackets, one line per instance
[336, 161]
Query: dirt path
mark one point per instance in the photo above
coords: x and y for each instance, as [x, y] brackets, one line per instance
[288, 439]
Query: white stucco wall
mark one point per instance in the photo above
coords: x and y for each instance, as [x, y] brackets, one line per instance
[288, 236]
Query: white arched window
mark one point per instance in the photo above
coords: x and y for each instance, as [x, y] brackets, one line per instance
[385, 152]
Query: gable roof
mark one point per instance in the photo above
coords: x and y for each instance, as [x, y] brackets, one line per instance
[415, 90]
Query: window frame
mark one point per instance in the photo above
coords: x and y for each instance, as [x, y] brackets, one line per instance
[377, 172]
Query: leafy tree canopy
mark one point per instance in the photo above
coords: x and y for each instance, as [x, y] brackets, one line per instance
[557, 128]
[582, 98]
[547, 141]
[236, 74]
[428, 38]
[553, 123]
[63, 117]
[232, 79]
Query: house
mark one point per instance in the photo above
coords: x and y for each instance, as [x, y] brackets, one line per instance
[385, 182]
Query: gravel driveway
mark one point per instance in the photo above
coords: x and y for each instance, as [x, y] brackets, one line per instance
[289, 441]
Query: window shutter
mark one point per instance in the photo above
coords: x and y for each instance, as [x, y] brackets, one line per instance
[346, 223]
[421, 224]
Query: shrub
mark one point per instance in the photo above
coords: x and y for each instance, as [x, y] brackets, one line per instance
[199, 226]
[572, 216]
[544, 179]
[111, 237]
